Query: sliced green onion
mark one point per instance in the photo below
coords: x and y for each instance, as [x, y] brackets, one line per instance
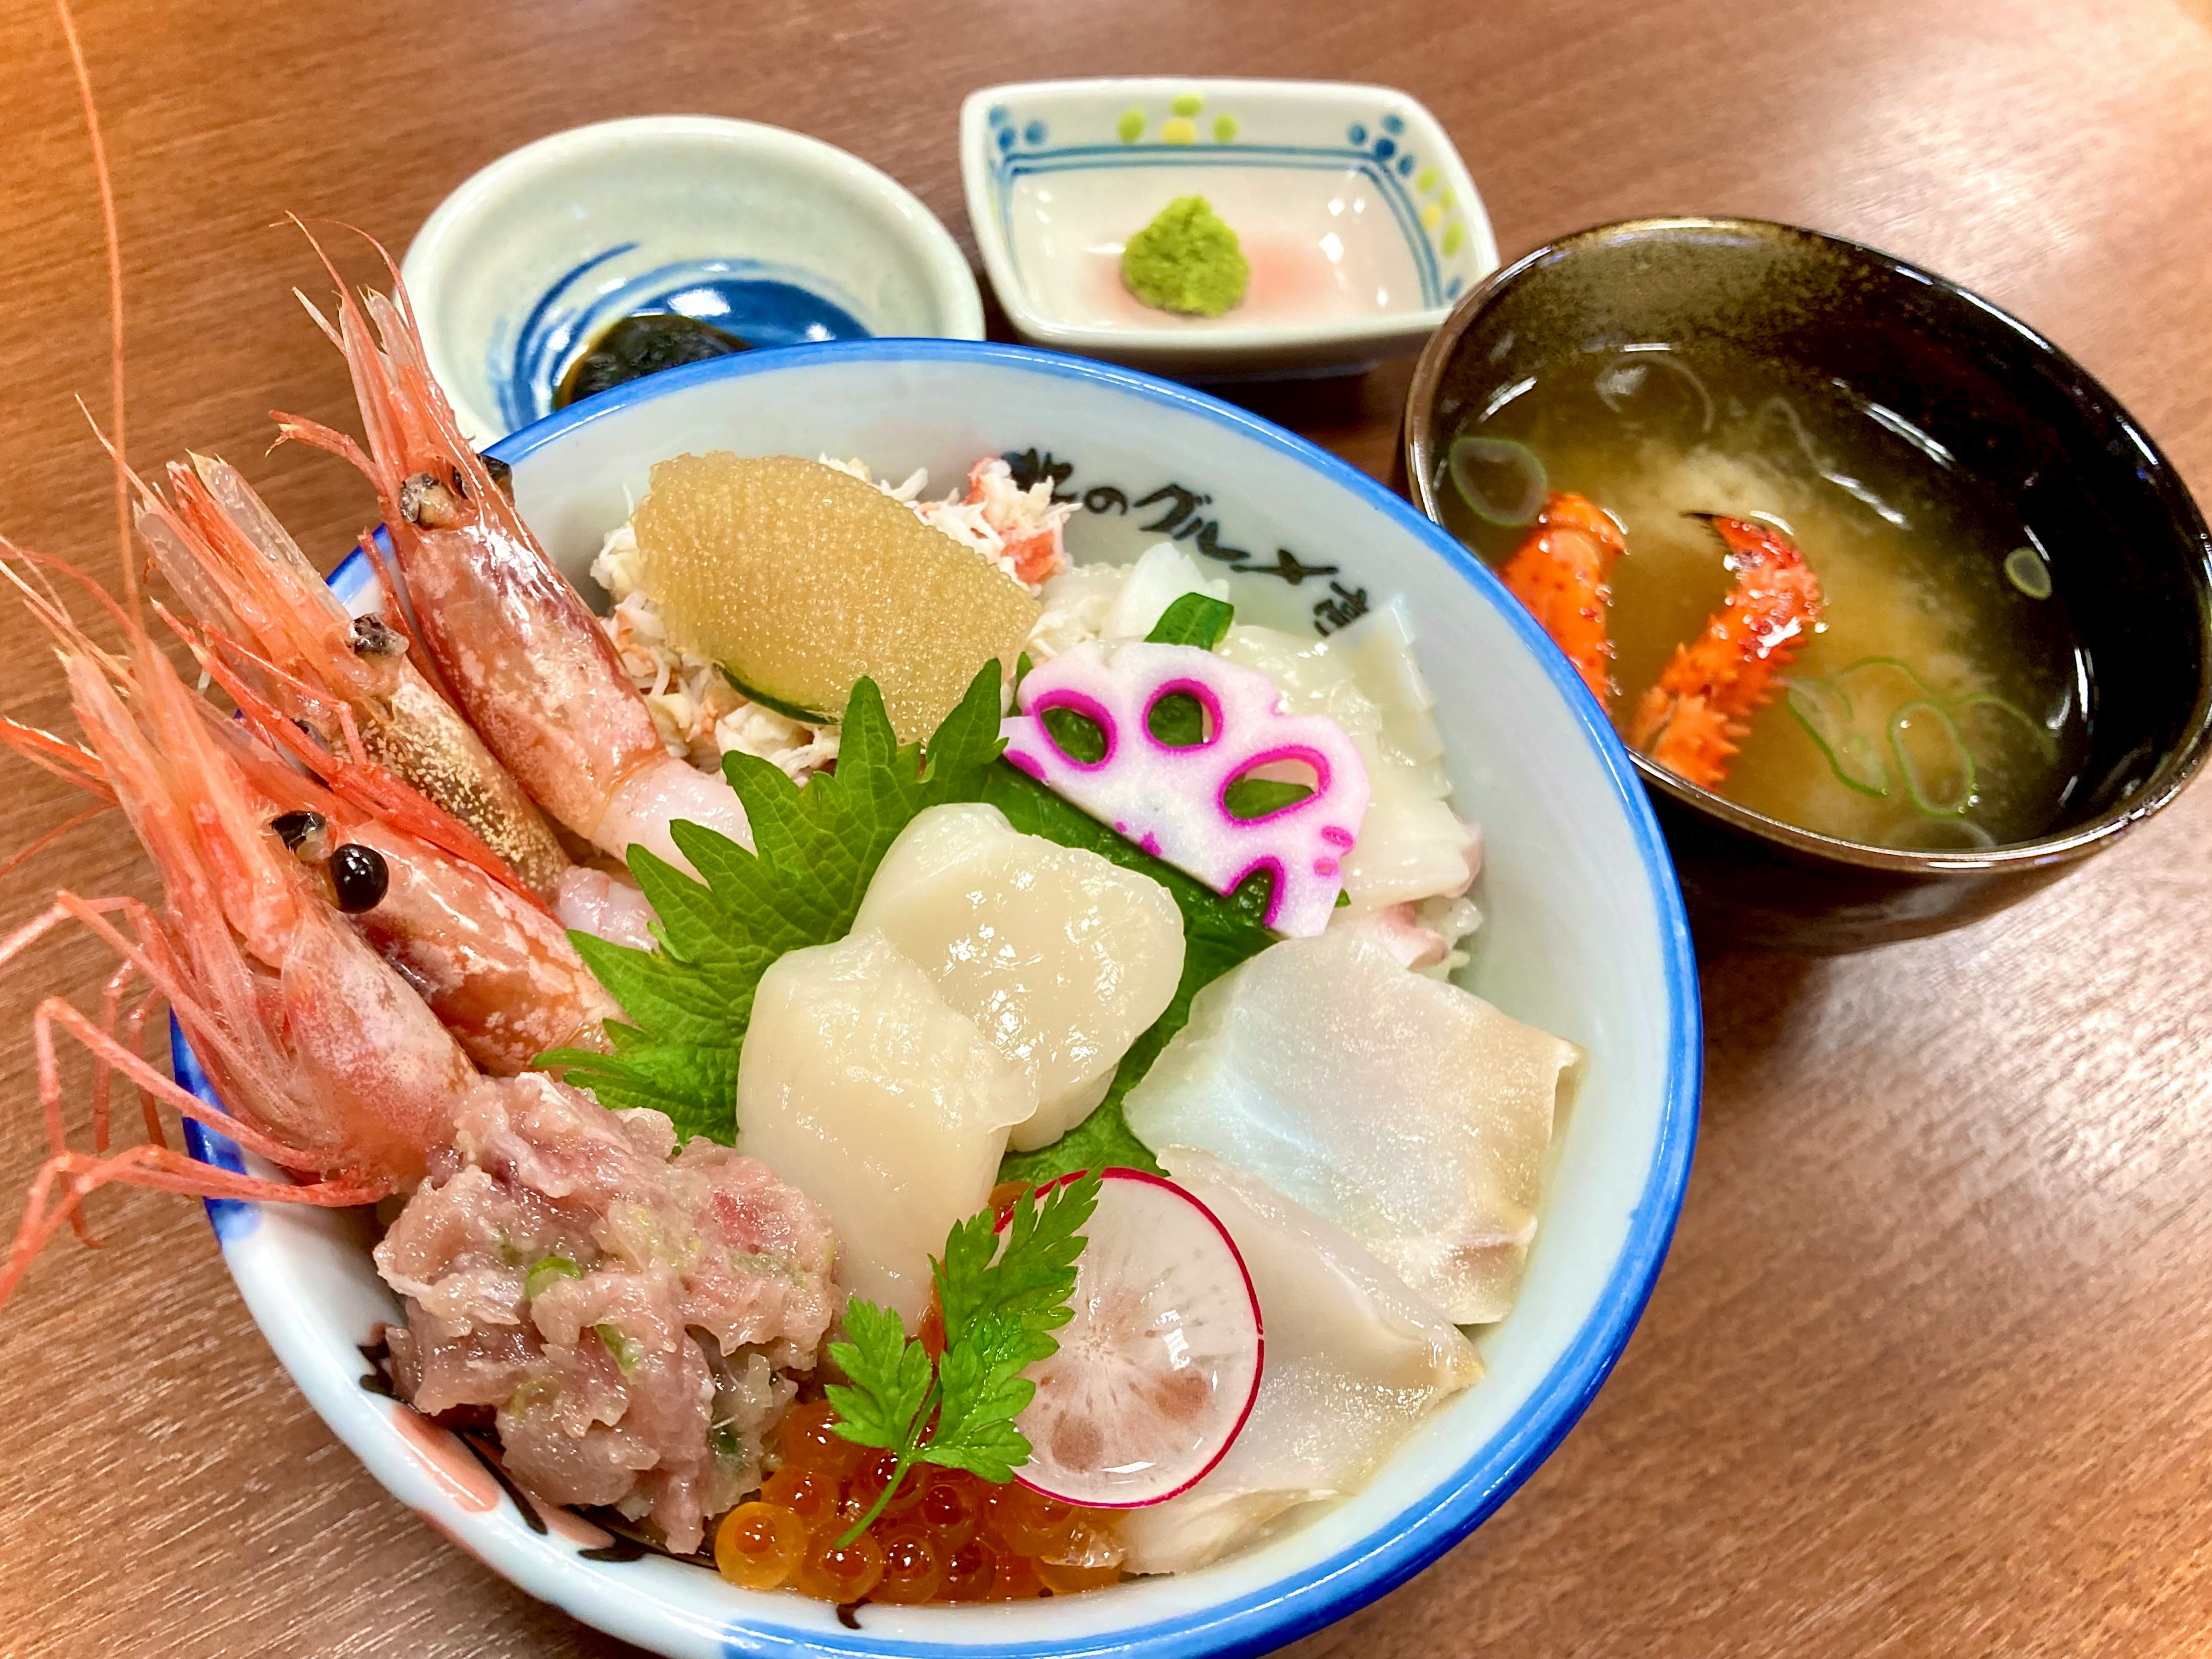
[2025, 569]
[1627, 374]
[1868, 665]
[2044, 739]
[546, 1271]
[1502, 482]
[534, 1392]
[1828, 710]
[1909, 770]
[628, 1350]
[1824, 709]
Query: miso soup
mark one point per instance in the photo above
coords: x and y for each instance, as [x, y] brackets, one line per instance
[1941, 699]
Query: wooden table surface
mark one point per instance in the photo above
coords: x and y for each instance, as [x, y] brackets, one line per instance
[1927, 1371]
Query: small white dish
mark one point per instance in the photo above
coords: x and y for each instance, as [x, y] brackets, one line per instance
[773, 236]
[1357, 216]
[1582, 933]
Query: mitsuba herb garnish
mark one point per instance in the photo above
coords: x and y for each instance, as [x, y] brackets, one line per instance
[1000, 1307]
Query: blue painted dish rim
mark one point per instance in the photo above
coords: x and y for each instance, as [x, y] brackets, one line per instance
[1304, 1602]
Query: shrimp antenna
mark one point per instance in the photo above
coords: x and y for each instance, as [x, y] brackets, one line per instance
[114, 238]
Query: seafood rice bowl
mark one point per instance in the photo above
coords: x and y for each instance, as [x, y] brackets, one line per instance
[986, 1006]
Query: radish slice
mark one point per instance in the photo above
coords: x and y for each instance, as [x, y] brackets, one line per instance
[1158, 1368]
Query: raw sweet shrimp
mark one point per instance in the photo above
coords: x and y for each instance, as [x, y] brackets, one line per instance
[513, 639]
[248, 583]
[496, 967]
[332, 1066]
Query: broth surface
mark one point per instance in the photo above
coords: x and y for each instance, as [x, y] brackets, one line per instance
[1938, 704]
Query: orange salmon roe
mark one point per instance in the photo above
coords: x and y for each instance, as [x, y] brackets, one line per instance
[947, 1535]
[810, 1494]
[911, 1572]
[758, 1544]
[832, 1572]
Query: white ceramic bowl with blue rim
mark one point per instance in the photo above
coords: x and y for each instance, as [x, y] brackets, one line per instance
[1584, 935]
[771, 235]
[1358, 217]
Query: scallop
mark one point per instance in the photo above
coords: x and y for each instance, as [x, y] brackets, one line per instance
[1410, 1113]
[1355, 1360]
[859, 1085]
[1060, 957]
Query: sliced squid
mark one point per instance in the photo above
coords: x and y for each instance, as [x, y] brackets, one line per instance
[1355, 1359]
[1412, 1113]
[1412, 845]
[860, 1086]
[1062, 957]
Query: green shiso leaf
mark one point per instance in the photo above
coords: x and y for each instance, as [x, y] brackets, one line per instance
[688, 1003]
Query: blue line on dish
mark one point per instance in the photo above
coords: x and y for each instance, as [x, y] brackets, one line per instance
[762, 302]
[231, 1218]
[1289, 1608]
[1082, 157]
[515, 409]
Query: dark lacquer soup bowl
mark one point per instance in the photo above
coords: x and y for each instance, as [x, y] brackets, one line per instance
[2127, 548]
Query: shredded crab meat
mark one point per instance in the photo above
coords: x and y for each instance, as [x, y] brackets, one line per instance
[631, 1315]
[1018, 529]
[701, 716]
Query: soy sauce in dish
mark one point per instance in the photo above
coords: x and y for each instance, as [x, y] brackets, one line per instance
[1942, 700]
[635, 347]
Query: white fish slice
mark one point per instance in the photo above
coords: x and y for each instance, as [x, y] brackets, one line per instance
[1410, 1113]
[1355, 1359]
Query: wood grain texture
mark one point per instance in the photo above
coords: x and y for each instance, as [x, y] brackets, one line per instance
[1927, 1372]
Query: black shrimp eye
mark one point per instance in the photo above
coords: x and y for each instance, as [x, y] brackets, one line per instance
[426, 501]
[461, 488]
[305, 835]
[361, 876]
[375, 637]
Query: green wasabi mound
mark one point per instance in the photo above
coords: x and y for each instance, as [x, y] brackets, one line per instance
[1185, 260]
